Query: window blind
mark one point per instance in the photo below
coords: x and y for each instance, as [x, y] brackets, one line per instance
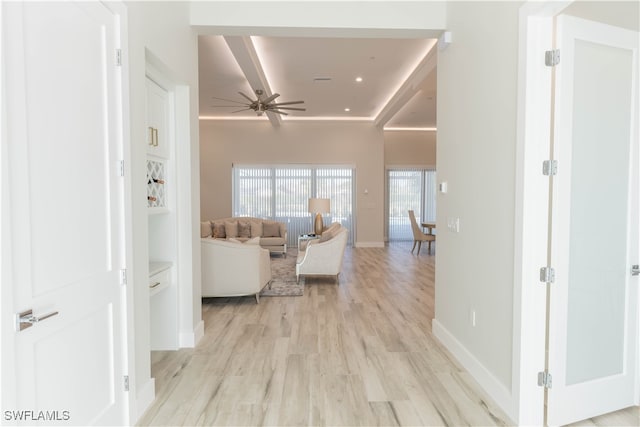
[282, 193]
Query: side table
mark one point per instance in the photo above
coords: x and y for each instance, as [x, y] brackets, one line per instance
[303, 239]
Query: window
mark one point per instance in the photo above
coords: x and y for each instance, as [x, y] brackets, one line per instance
[282, 193]
[407, 189]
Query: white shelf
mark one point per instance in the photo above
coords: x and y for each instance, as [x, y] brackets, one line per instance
[159, 277]
[156, 267]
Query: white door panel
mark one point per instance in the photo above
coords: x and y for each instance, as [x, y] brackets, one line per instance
[594, 299]
[65, 196]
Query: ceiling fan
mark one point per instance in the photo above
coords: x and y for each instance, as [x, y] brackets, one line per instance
[260, 105]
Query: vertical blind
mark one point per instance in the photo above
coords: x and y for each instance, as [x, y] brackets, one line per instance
[282, 193]
[409, 189]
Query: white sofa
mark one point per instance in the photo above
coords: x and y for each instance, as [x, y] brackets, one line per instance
[232, 269]
[323, 257]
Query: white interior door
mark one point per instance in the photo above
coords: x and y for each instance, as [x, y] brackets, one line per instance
[593, 326]
[64, 195]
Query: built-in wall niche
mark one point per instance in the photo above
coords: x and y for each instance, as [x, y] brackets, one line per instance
[162, 218]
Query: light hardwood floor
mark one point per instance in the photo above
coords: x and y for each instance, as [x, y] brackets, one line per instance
[357, 353]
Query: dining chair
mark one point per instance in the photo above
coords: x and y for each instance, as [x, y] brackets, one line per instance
[418, 235]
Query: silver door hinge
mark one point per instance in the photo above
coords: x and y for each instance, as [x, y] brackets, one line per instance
[547, 275]
[121, 167]
[126, 383]
[635, 270]
[544, 379]
[123, 276]
[552, 57]
[119, 57]
[550, 167]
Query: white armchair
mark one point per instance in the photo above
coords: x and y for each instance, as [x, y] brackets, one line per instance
[323, 258]
[234, 269]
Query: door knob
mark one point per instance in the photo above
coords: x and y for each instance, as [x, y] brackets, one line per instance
[26, 319]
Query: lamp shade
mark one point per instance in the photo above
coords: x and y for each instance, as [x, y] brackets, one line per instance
[319, 205]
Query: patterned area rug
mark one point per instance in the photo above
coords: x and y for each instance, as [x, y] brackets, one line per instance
[283, 277]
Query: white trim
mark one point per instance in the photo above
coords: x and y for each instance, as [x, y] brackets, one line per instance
[408, 167]
[191, 339]
[408, 129]
[496, 390]
[144, 398]
[369, 245]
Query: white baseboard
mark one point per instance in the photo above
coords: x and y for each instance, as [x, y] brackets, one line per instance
[369, 244]
[191, 339]
[489, 383]
[145, 396]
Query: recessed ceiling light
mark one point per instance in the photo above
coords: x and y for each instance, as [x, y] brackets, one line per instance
[347, 109]
[358, 79]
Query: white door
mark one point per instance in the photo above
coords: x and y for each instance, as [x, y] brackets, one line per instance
[62, 249]
[594, 243]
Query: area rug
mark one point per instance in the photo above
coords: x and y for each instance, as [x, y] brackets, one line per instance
[283, 277]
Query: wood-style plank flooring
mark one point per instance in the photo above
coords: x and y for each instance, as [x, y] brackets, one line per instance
[357, 353]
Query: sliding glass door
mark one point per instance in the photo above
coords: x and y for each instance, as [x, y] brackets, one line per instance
[282, 193]
[407, 189]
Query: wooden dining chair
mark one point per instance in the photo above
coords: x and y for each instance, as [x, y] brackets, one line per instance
[418, 235]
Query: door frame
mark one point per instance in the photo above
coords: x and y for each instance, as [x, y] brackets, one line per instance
[531, 209]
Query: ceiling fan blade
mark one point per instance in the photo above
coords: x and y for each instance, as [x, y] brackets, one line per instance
[288, 108]
[288, 103]
[244, 109]
[270, 98]
[250, 100]
[229, 100]
[277, 112]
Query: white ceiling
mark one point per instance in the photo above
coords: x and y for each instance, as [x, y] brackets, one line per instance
[398, 87]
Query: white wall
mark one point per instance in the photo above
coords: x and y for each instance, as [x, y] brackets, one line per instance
[163, 29]
[223, 143]
[410, 148]
[477, 95]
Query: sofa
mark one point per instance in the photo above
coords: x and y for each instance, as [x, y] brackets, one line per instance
[232, 268]
[323, 256]
[272, 234]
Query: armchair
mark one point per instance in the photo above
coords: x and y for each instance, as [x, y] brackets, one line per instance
[323, 257]
[234, 269]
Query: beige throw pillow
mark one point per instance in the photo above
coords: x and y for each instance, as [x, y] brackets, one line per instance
[231, 228]
[327, 235]
[271, 229]
[205, 229]
[244, 229]
[218, 230]
[256, 229]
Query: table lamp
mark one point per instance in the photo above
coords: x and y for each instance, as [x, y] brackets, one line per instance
[319, 207]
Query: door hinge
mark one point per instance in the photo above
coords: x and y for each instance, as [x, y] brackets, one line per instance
[123, 277]
[550, 167]
[552, 57]
[121, 167]
[126, 383]
[544, 379]
[119, 57]
[635, 270]
[547, 275]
